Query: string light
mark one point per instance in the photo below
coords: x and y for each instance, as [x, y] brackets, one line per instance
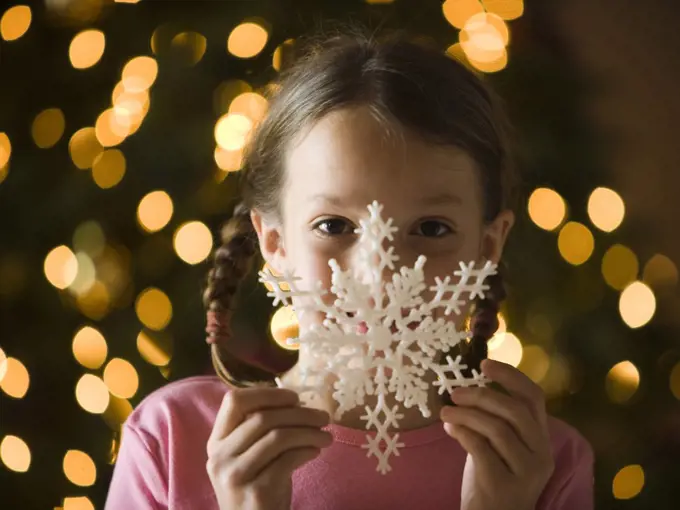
[108, 168]
[87, 48]
[5, 149]
[121, 378]
[628, 482]
[79, 468]
[457, 12]
[48, 127]
[16, 380]
[139, 74]
[189, 47]
[660, 271]
[84, 147]
[15, 22]
[61, 267]
[156, 348]
[3, 365]
[547, 209]
[622, 382]
[576, 243]
[92, 394]
[508, 351]
[153, 308]
[154, 211]
[637, 304]
[506, 9]
[247, 40]
[89, 347]
[15, 454]
[284, 325]
[232, 130]
[193, 242]
[80, 502]
[619, 266]
[606, 209]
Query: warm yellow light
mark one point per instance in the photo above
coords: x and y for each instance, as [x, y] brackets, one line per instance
[457, 12]
[112, 128]
[456, 51]
[154, 309]
[189, 46]
[499, 335]
[4, 172]
[619, 266]
[637, 304]
[284, 325]
[92, 394]
[558, 377]
[117, 412]
[506, 9]
[87, 48]
[95, 303]
[121, 378]
[229, 161]
[61, 267]
[89, 237]
[154, 211]
[606, 209]
[247, 40]
[283, 54]
[81, 502]
[232, 131]
[89, 347]
[15, 454]
[508, 351]
[16, 380]
[3, 364]
[226, 92]
[283, 285]
[48, 127]
[674, 380]
[79, 468]
[535, 362]
[249, 104]
[156, 349]
[628, 482]
[547, 208]
[139, 74]
[193, 242]
[660, 271]
[492, 66]
[5, 149]
[576, 243]
[108, 168]
[84, 147]
[15, 22]
[622, 382]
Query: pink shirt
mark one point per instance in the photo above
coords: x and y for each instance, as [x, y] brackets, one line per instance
[162, 463]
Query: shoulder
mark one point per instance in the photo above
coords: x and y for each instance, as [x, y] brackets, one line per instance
[569, 446]
[184, 404]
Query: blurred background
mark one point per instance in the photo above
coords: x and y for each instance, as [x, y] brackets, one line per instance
[121, 131]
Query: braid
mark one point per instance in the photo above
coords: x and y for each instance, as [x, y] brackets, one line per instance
[484, 322]
[233, 260]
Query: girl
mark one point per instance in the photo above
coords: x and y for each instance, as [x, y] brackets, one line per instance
[357, 120]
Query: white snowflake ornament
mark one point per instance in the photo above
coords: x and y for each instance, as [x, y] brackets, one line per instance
[380, 337]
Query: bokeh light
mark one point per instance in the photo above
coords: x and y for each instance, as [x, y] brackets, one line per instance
[251, 105]
[232, 131]
[457, 12]
[674, 380]
[622, 382]
[79, 468]
[226, 92]
[484, 39]
[506, 9]
[111, 128]
[229, 161]
[575, 243]
[547, 209]
[15, 22]
[557, 380]
[155, 348]
[92, 394]
[79, 502]
[48, 128]
[619, 266]
[84, 147]
[283, 326]
[121, 378]
[15, 454]
[154, 211]
[283, 285]
[153, 308]
[87, 48]
[606, 209]
[3, 364]
[247, 40]
[508, 351]
[16, 380]
[189, 47]
[193, 242]
[89, 238]
[139, 74]
[108, 168]
[5, 149]
[117, 412]
[637, 304]
[283, 54]
[628, 482]
[499, 335]
[89, 347]
[660, 271]
[535, 362]
[95, 303]
[61, 267]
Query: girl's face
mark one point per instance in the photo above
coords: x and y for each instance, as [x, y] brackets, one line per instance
[343, 163]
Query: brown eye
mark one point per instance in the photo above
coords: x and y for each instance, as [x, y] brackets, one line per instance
[433, 228]
[334, 227]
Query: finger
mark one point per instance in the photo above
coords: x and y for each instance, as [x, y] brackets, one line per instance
[286, 464]
[519, 386]
[496, 431]
[261, 422]
[486, 459]
[248, 465]
[514, 411]
[239, 403]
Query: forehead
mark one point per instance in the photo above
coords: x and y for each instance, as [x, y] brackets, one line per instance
[350, 153]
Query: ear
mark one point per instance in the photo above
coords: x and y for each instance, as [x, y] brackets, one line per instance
[270, 238]
[495, 235]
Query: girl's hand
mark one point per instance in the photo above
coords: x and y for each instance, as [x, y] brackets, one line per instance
[259, 438]
[506, 436]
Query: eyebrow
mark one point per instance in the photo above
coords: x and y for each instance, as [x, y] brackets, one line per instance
[438, 199]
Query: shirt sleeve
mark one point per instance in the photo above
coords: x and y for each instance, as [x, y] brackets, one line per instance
[139, 480]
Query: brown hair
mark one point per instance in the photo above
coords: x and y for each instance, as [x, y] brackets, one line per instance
[404, 83]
